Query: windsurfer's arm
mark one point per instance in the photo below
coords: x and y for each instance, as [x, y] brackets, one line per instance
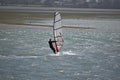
[54, 41]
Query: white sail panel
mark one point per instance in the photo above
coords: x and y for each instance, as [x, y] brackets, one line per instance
[57, 31]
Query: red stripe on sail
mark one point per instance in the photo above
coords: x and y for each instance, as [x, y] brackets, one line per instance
[56, 45]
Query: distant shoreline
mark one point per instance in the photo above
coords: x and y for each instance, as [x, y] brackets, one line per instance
[15, 17]
[53, 9]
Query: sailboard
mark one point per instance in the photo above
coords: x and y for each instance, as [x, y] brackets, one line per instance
[57, 31]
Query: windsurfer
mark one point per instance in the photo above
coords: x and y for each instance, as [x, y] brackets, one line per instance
[51, 45]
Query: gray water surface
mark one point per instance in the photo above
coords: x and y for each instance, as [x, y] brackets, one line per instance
[86, 55]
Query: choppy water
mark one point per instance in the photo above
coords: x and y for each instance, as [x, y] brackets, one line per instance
[86, 55]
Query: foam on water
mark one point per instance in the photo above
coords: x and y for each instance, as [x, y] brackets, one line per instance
[68, 53]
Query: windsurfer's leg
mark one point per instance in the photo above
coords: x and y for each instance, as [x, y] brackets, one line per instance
[54, 50]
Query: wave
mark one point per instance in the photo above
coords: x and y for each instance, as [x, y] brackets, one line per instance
[63, 53]
[17, 57]
[36, 56]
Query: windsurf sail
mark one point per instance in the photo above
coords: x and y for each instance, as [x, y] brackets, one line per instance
[57, 31]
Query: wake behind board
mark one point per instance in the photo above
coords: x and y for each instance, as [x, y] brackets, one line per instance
[64, 53]
[57, 31]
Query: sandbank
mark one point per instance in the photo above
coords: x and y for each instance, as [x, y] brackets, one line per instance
[12, 26]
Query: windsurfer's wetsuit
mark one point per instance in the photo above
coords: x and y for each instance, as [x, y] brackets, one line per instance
[51, 46]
